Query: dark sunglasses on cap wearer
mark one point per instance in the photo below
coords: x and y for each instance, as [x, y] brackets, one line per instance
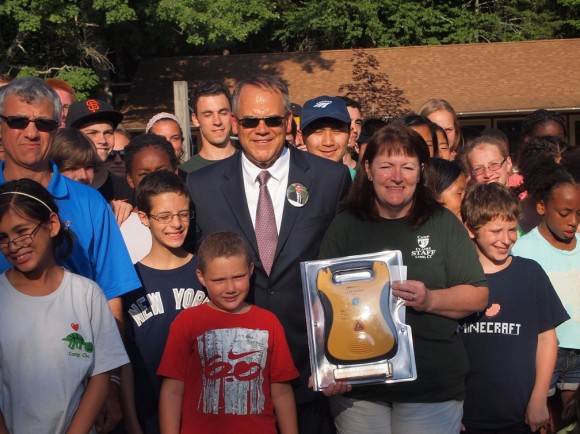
[113, 154]
[270, 121]
[21, 123]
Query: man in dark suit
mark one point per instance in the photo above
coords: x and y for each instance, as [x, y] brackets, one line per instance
[229, 196]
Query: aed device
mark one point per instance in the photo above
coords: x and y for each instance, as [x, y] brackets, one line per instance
[356, 327]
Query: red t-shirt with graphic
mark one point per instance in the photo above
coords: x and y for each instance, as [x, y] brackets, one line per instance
[227, 362]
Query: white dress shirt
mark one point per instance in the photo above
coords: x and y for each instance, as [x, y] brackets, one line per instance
[277, 185]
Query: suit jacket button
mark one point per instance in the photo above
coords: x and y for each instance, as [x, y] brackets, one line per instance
[270, 291]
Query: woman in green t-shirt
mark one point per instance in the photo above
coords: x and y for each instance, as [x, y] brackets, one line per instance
[389, 208]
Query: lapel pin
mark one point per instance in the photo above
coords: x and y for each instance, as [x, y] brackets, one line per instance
[297, 194]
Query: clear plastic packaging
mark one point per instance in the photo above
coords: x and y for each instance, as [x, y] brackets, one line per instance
[356, 327]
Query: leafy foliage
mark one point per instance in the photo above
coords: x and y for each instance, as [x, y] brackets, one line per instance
[109, 37]
[217, 22]
[377, 96]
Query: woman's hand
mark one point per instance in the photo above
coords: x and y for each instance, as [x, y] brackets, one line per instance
[414, 293]
[337, 388]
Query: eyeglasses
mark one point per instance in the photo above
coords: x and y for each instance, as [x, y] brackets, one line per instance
[493, 167]
[113, 154]
[20, 123]
[22, 240]
[270, 121]
[167, 217]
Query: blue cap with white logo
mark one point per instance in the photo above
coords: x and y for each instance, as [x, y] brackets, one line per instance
[323, 107]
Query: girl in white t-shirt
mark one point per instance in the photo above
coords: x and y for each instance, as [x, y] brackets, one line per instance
[58, 337]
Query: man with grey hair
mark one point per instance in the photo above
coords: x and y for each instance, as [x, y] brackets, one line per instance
[250, 193]
[30, 114]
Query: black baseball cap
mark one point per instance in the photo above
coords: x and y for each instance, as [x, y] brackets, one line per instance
[92, 110]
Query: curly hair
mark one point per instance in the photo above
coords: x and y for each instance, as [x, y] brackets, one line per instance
[542, 175]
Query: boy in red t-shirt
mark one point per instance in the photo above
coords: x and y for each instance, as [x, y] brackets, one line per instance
[227, 364]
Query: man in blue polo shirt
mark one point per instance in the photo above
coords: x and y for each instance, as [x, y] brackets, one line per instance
[29, 117]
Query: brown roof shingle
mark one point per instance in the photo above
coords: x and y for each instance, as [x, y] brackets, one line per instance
[475, 78]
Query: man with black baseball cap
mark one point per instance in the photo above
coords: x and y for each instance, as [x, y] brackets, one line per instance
[97, 120]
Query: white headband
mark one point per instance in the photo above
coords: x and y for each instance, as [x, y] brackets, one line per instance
[158, 117]
[28, 195]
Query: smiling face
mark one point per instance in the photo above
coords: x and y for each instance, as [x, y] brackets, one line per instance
[213, 117]
[169, 129]
[32, 256]
[494, 241]
[27, 148]
[102, 135]
[227, 280]
[327, 138]
[394, 178]
[149, 160]
[481, 157]
[453, 195]
[262, 145]
[560, 216]
[170, 235]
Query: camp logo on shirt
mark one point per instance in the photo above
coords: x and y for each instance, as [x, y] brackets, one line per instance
[78, 343]
[423, 251]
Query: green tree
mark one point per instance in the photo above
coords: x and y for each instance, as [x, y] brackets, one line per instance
[60, 38]
[332, 24]
[86, 40]
[217, 23]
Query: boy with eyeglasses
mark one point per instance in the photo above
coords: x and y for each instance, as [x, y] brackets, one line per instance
[169, 285]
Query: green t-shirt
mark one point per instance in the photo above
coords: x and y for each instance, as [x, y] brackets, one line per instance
[441, 255]
[196, 162]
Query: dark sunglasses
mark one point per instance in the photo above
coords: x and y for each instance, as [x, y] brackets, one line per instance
[270, 121]
[20, 123]
[113, 154]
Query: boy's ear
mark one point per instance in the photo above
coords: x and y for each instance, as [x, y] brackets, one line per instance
[540, 207]
[469, 231]
[200, 276]
[251, 268]
[143, 218]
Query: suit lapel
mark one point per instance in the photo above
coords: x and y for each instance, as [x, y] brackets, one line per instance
[235, 196]
[298, 173]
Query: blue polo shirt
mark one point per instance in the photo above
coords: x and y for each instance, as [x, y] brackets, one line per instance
[99, 252]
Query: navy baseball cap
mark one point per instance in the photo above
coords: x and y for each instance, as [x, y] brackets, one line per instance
[92, 110]
[323, 107]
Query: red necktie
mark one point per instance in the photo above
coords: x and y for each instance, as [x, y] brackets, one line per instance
[266, 230]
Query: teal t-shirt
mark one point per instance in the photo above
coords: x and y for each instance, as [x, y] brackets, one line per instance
[563, 269]
[441, 255]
